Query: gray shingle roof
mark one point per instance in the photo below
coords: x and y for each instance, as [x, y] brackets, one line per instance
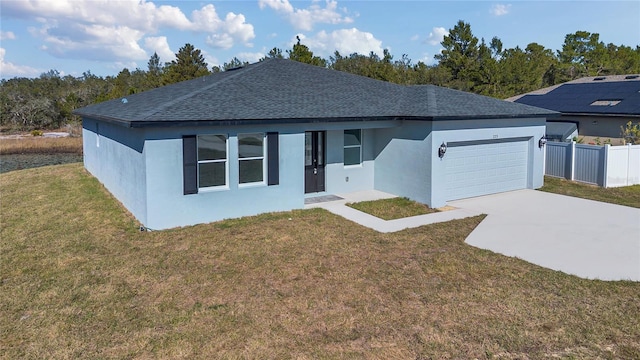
[289, 91]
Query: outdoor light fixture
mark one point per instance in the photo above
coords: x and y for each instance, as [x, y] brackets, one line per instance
[542, 142]
[442, 149]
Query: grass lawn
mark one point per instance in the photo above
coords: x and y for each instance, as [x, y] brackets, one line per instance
[77, 280]
[628, 195]
[394, 208]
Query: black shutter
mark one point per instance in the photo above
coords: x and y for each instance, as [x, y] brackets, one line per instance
[190, 164]
[273, 157]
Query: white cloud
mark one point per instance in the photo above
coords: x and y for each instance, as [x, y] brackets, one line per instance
[283, 6]
[160, 46]
[427, 59]
[7, 35]
[346, 41]
[437, 35]
[222, 33]
[91, 41]
[305, 19]
[115, 28]
[500, 9]
[9, 70]
[233, 29]
[210, 60]
[120, 65]
[251, 57]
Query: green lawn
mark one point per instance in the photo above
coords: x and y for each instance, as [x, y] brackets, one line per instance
[628, 195]
[393, 208]
[77, 280]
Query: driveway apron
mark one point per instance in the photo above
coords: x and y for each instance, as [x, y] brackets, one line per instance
[586, 238]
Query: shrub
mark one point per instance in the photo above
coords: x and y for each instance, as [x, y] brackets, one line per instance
[631, 133]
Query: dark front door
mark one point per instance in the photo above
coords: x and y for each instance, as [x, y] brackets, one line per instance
[314, 161]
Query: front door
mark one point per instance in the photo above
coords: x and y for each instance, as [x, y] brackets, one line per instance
[314, 161]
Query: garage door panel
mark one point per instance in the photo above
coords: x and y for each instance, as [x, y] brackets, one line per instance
[481, 169]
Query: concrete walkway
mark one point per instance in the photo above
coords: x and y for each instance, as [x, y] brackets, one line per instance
[589, 239]
[338, 207]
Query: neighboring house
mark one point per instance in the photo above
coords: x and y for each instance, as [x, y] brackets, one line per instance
[264, 137]
[597, 106]
[561, 131]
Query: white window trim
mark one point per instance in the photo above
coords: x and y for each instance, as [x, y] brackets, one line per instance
[359, 164]
[263, 158]
[226, 166]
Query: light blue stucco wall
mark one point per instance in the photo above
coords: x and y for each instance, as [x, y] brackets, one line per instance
[402, 163]
[407, 162]
[144, 169]
[167, 205]
[493, 129]
[117, 159]
[352, 178]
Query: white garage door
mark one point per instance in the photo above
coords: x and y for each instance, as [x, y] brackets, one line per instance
[482, 168]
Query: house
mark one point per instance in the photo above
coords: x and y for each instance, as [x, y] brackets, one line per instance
[264, 137]
[561, 131]
[597, 107]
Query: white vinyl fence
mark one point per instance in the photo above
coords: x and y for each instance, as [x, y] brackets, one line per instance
[607, 166]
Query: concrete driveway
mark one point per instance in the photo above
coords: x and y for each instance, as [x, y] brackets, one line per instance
[590, 239]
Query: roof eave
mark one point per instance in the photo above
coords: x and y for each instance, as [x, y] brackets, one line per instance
[496, 116]
[107, 119]
[600, 114]
[282, 121]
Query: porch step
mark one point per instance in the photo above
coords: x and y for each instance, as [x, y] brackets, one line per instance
[321, 199]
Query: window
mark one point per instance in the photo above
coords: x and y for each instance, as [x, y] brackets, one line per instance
[212, 160]
[352, 147]
[251, 157]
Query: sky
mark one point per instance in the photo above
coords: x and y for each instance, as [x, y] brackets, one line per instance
[104, 36]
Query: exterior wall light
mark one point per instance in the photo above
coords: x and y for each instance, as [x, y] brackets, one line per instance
[441, 150]
[542, 142]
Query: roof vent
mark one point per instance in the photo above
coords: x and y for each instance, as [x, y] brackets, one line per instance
[630, 77]
[600, 78]
[124, 100]
[235, 68]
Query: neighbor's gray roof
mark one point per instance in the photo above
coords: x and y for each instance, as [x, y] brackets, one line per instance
[288, 91]
[618, 95]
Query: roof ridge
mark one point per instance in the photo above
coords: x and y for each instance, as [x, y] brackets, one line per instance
[432, 101]
[200, 90]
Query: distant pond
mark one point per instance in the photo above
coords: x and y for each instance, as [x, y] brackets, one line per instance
[26, 161]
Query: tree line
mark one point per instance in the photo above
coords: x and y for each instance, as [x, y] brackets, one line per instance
[465, 63]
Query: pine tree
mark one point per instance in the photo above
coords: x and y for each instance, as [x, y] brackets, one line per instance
[189, 64]
[301, 53]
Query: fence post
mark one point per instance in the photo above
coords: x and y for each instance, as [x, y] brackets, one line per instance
[544, 160]
[573, 160]
[626, 181]
[607, 147]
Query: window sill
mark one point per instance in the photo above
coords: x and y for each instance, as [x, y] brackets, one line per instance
[252, 185]
[213, 189]
[354, 166]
